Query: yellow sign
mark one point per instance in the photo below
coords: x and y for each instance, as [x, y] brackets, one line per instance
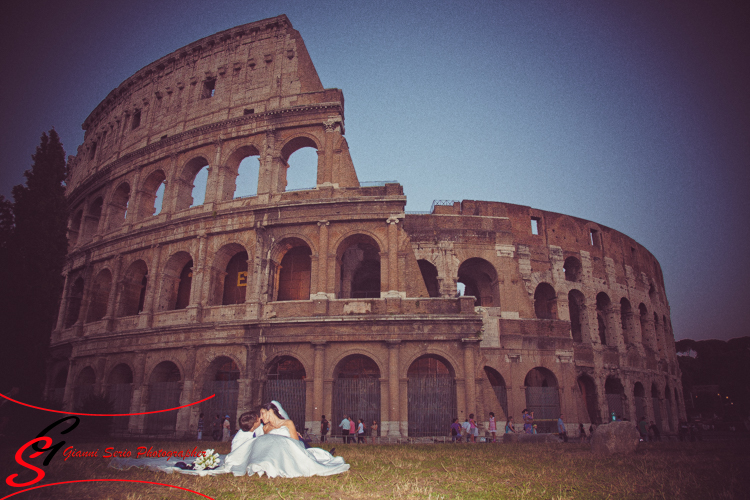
[242, 278]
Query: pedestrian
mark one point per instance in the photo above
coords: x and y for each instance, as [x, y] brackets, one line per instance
[374, 430]
[473, 428]
[510, 426]
[465, 429]
[561, 430]
[216, 428]
[592, 428]
[345, 426]
[493, 427]
[643, 429]
[528, 420]
[534, 429]
[200, 427]
[324, 426]
[582, 433]
[227, 426]
[655, 432]
[455, 431]
[361, 432]
[352, 431]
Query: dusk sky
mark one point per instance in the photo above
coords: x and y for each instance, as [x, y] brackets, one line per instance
[632, 114]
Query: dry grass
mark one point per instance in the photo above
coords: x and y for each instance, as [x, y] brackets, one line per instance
[548, 471]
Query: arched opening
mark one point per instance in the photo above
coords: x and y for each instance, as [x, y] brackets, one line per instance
[498, 387]
[626, 320]
[615, 394]
[177, 282]
[543, 398]
[84, 387]
[57, 393]
[668, 402]
[235, 280]
[652, 293]
[643, 320]
[359, 268]
[430, 277]
[572, 269]
[118, 206]
[295, 272]
[602, 316]
[639, 399]
[120, 392]
[94, 215]
[656, 405]
[658, 334]
[480, 281]
[431, 393]
[133, 295]
[241, 179]
[221, 379]
[100, 296]
[300, 156]
[74, 229]
[589, 398]
[356, 390]
[577, 308]
[286, 384]
[75, 297]
[164, 389]
[191, 184]
[545, 301]
[153, 194]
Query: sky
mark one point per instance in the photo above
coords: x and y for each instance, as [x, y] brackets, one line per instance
[632, 114]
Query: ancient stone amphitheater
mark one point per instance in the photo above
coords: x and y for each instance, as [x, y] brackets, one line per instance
[331, 299]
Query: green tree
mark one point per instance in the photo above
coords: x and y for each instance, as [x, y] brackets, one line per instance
[36, 250]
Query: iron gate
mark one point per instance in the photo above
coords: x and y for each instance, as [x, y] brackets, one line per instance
[223, 403]
[163, 395]
[501, 393]
[357, 398]
[119, 395]
[614, 405]
[81, 394]
[657, 412]
[292, 394]
[545, 403]
[432, 405]
[640, 408]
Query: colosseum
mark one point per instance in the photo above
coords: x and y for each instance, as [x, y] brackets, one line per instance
[331, 299]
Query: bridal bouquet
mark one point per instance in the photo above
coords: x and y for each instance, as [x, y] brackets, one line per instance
[209, 460]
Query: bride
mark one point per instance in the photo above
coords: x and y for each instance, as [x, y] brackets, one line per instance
[273, 449]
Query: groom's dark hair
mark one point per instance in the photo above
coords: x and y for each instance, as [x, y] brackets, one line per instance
[247, 420]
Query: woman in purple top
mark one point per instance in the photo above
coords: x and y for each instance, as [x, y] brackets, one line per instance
[455, 431]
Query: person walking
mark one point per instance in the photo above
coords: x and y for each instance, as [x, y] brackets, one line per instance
[374, 430]
[361, 432]
[345, 426]
[562, 432]
[455, 431]
[324, 426]
[352, 431]
[493, 427]
[582, 433]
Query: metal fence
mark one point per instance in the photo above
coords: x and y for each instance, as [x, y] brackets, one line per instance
[81, 394]
[223, 403]
[357, 398]
[657, 412]
[119, 395]
[292, 394]
[432, 405]
[614, 405]
[162, 395]
[545, 403]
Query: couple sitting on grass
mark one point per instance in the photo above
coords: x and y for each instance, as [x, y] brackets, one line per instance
[267, 443]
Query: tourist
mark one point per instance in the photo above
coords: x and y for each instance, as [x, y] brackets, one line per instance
[493, 427]
[562, 432]
[216, 428]
[466, 429]
[345, 426]
[455, 431]
[582, 433]
[473, 428]
[360, 432]
[352, 431]
[226, 426]
[324, 426]
[643, 429]
[592, 428]
[510, 426]
[374, 430]
[655, 433]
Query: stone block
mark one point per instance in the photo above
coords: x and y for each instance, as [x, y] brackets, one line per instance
[615, 438]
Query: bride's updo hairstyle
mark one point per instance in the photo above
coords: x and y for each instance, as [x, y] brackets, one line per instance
[272, 407]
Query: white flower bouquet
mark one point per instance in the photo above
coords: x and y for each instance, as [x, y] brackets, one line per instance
[209, 460]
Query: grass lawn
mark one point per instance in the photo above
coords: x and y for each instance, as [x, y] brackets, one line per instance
[523, 471]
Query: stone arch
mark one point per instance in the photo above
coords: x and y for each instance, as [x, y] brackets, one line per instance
[578, 320]
[164, 390]
[176, 282]
[497, 382]
[432, 400]
[229, 275]
[221, 379]
[603, 307]
[241, 173]
[91, 219]
[75, 299]
[545, 301]
[356, 389]
[120, 393]
[97, 309]
[291, 269]
[639, 400]
[572, 269]
[589, 398]
[84, 386]
[74, 228]
[480, 280]
[133, 289]
[430, 276]
[643, 322]
[626, 321]
[301, 169]
[118, 206]
[149, 189]
[358, 267]
[615, 394]
[285, 383]
[330, 372]
[543, 398]
[296, 143]
[185, 183]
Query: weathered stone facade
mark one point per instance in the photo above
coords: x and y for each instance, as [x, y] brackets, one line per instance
[333, 292]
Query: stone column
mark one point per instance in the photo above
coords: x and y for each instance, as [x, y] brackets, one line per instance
[183, 426]
[393, 275]
[325, 163]
[109, 316]
[469, 375]
[214, 182]
[69, 389]
[154, 280]
[140, 389]
[322, 281]
[320, 352]
[63, 304]
[394, 415]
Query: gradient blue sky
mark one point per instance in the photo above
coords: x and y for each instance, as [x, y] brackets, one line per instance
[633, 114]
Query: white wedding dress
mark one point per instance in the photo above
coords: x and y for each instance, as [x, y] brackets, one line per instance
[274, 454]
